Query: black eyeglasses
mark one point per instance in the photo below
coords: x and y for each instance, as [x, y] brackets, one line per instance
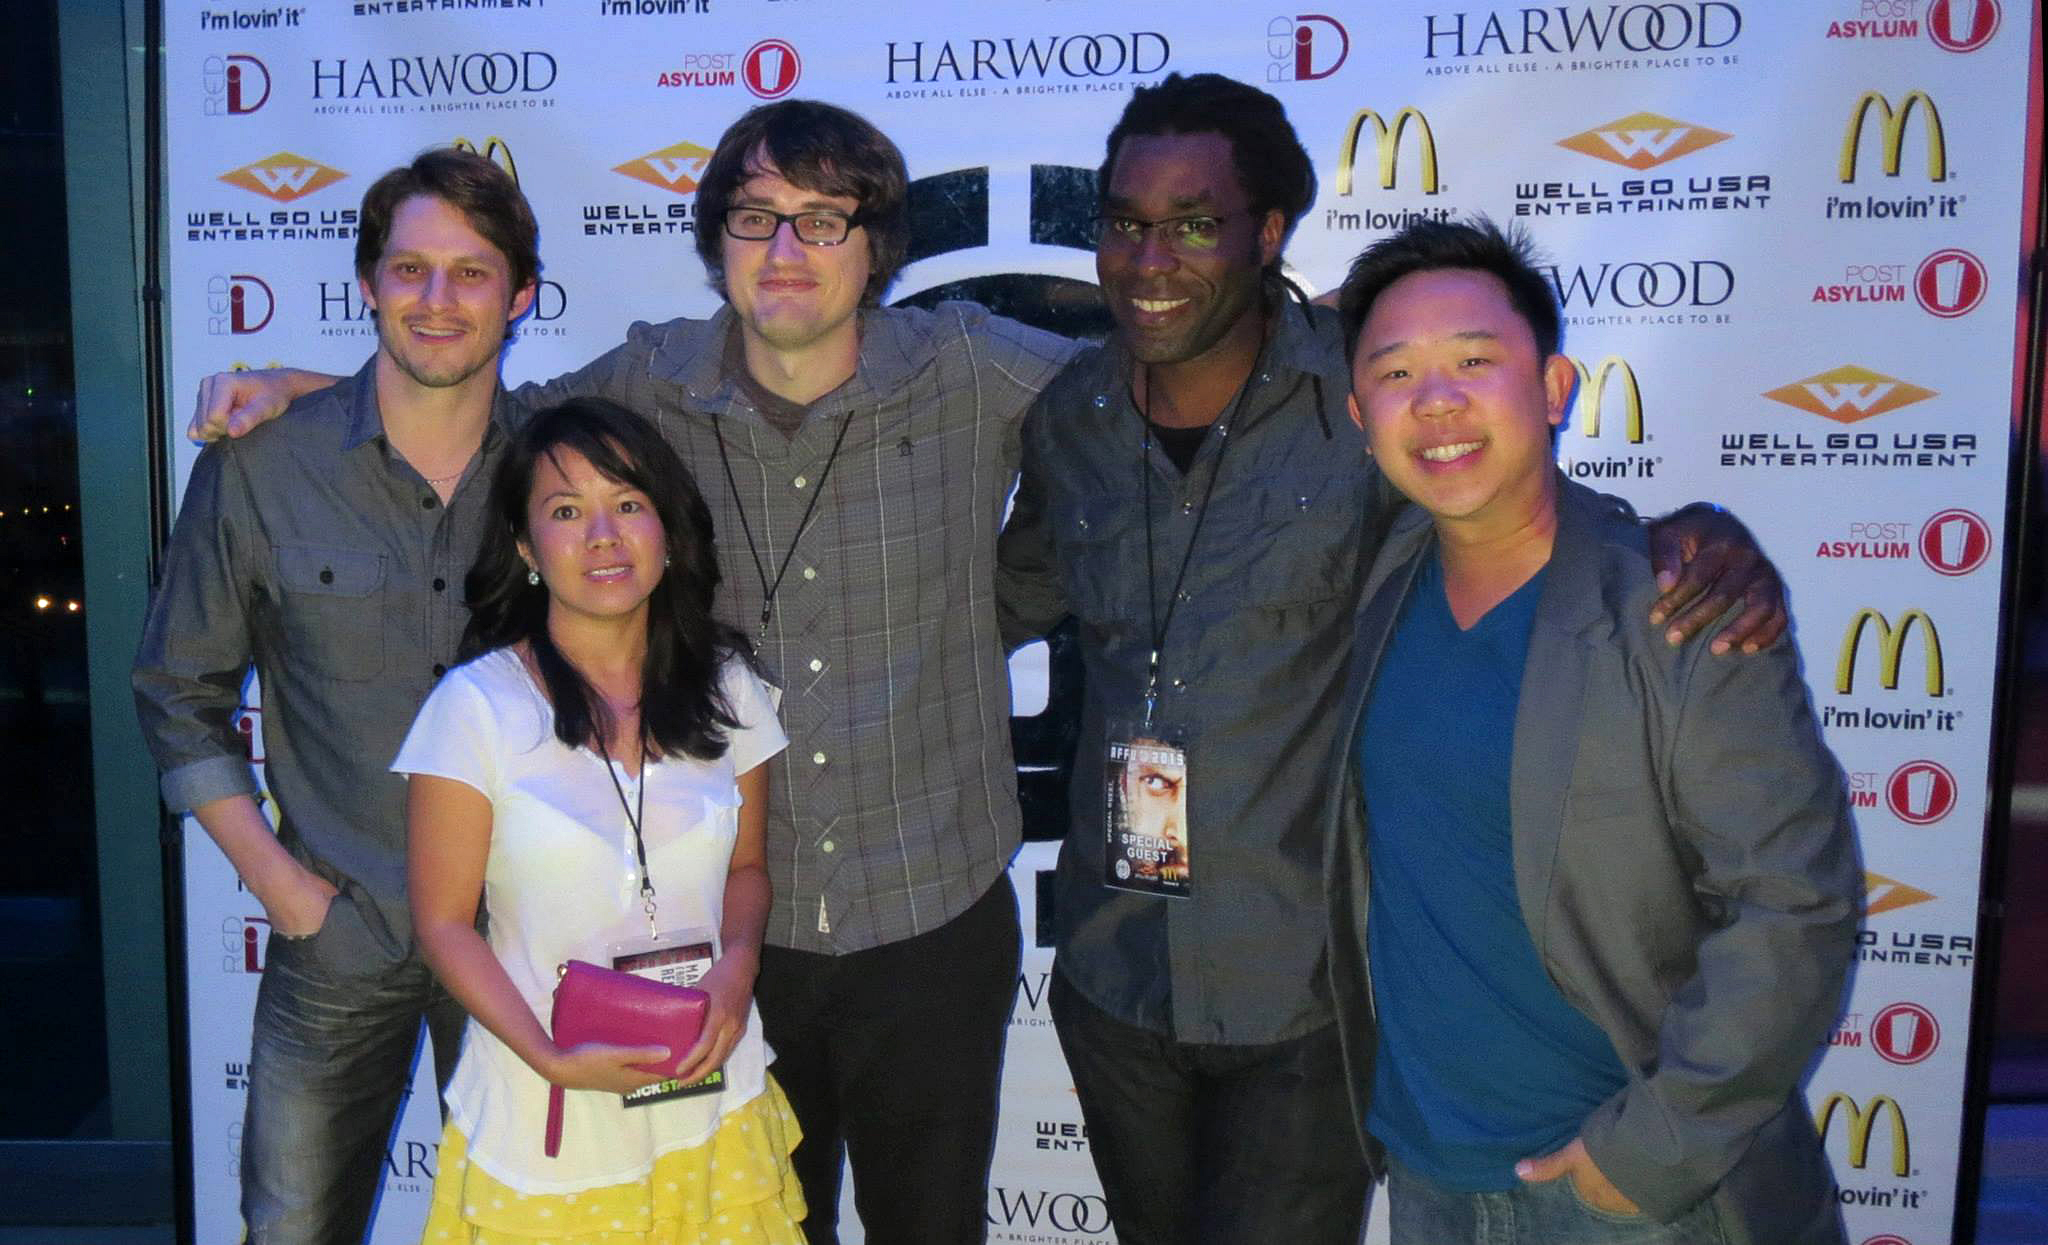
[1192, 235]
[819, 228]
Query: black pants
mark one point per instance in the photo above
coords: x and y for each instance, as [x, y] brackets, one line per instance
[1215, 1145]
[893, 1057]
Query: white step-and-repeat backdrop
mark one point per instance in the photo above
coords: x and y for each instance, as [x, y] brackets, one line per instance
[1786, 240]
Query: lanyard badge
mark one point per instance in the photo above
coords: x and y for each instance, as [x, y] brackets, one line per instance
[1145, 812]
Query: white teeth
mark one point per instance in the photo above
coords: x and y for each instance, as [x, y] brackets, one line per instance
[1447, 453]
[1158, 304]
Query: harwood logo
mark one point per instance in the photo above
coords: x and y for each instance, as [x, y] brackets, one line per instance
[1643, 140]
[674, 168]
[1891, 130]
[283, 177]
[1882, 894]
[1848, 394]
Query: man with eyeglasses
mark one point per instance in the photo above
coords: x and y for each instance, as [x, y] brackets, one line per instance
[1192, 493]
[856, 459]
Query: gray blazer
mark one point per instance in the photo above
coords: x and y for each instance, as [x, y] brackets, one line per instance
[1686, 866]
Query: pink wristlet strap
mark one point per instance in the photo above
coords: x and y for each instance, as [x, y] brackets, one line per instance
[554, 1136]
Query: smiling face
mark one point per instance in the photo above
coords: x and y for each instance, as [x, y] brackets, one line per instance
[1172, 305]
[791, 295]
[443, 296]
[1456, 403]
[1155, 804]
[597, 542]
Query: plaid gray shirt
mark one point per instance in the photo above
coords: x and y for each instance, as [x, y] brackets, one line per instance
[895, 806]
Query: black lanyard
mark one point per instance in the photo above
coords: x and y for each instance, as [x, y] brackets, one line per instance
[803, 525]
[1160, 625]
[634, 817]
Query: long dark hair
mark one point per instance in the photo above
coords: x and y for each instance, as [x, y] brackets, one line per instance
[682, 708]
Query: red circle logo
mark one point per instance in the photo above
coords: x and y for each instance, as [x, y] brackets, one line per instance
[1962, 25]
[1920, 793]
[1887, 1239]
[1954, 542]
[1904, 1033]
[1950, 283]
[770, 68]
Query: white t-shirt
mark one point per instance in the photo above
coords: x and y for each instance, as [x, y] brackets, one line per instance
[563, 882]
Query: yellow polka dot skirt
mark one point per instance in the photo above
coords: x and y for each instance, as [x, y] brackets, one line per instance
[735, 1189]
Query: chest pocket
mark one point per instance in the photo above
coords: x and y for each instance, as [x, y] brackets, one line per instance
[332, 602]
[1102, 556]
[1304, 543]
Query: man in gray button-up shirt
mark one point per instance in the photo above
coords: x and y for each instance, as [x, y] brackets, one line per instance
[326, 550]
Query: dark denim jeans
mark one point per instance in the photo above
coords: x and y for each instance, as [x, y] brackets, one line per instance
[331, 1054]
[1221, 1145]
[893, 1060]
[1552, 1213]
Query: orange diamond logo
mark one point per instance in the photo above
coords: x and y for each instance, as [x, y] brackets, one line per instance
[1883, 894]
[1849, 394]
[283, 177]
[1643, 140]
[672, 168]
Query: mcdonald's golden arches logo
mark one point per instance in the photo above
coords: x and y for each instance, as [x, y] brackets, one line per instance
[1643, 140]
[1891, 130]
[1862, 1120]
[283, 177]
[1387, 145]
[496, 150]
[1891, 646]
[1848, 394]
[673, 168]
[1592, 389]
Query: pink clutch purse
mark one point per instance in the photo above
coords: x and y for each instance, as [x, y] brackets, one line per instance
[595, 1004]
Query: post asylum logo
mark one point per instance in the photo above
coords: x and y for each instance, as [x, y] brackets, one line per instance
[238, 304]
[1010, 59]
[1861, 1120]
[447, 76]
[1962, 25]
[1589, 28]
[1891, 644]
[1954, 542]
[1300, 48]
[1047, 1209]
[1643, 140]
[1920, 793]
[771, 68]
[674, 168]
[1849, 394]
[1950, 283]
[1904, 1033]
[1882, 894]
[496, 150]
[233, 86]
[283, 177]
[1891, 131]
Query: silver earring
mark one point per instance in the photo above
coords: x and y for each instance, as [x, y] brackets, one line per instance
[533, 577]
[667, 560]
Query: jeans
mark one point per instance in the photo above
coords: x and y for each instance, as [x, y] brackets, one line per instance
[1217, 1145]
[893, 1058]
[331, 1056]
[1552, 1213]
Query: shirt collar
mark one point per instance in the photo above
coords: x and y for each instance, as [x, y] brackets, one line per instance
[692, 354]
[366, 417]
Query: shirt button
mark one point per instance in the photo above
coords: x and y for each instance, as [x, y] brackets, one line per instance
[326, 574]
[816, 665]
[799, 482]
[429, 502]
[810, 572]
[828, 846]
[1180, 685]
[439, 669]
[1187, 507]
[817, 758]
[440, 584]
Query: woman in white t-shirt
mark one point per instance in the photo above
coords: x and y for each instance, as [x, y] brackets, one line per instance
[600, 754]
